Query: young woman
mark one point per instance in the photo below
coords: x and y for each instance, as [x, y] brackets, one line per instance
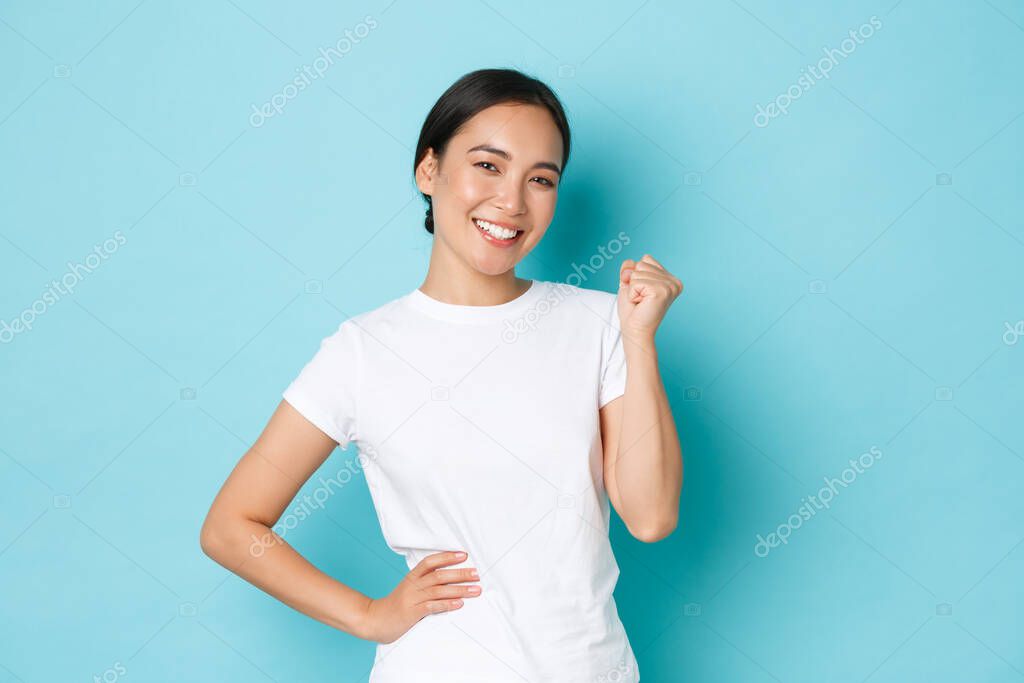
[496, 417]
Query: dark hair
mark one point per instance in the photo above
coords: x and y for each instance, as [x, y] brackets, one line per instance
[470, 95]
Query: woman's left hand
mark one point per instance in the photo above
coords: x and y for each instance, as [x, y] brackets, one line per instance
[646, 290]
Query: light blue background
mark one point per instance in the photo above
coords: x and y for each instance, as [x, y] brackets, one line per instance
[841, 293]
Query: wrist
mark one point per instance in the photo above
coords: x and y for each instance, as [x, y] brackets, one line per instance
[358, 623]
[643, 338]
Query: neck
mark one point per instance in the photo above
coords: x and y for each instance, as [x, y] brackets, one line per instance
[452, 280]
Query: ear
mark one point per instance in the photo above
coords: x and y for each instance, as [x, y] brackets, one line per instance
[427, 172]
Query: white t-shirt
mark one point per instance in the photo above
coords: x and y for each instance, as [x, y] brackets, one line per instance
[478, 430]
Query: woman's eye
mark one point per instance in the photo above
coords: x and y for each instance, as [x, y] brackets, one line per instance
[485, 164]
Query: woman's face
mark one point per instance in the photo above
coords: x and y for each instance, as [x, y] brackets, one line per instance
[503, 167]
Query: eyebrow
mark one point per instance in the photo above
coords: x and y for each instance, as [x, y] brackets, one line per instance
[508, 157]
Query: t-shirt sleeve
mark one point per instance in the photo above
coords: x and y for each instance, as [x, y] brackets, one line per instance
[613, 364]
[326, 390]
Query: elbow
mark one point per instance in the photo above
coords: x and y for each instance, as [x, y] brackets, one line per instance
[652, 533]
[221, 538]
[211, 539]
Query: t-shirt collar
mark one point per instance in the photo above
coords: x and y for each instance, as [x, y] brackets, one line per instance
[475, 314]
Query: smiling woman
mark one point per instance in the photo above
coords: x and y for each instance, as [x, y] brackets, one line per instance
[488, 162]
[492, 461]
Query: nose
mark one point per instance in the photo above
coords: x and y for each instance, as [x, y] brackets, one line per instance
[511, 198]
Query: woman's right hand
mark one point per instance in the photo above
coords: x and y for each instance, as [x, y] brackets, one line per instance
[426, 589]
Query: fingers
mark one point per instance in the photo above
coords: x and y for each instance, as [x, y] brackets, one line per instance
[651, 259]
[448, 591]
[650, 267]
[438, 590]
[670, 285]
[443, 596]
[627, 265]
[438, 606]
[444, 583]
[453, 575]
[432, 562]
[647, 263]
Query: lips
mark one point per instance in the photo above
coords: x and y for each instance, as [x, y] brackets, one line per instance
[497, 237]
[510, 226]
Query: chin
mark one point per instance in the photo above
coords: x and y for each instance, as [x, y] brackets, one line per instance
[492, 266]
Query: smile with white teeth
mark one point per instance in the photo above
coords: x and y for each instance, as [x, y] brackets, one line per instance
[496, 231]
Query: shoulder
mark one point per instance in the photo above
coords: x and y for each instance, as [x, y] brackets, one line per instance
[369, 322]
[586, 303]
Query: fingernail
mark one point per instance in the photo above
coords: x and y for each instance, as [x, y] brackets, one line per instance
[460, 555]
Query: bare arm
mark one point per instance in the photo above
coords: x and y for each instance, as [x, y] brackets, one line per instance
[643, 467]
[238, 535]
